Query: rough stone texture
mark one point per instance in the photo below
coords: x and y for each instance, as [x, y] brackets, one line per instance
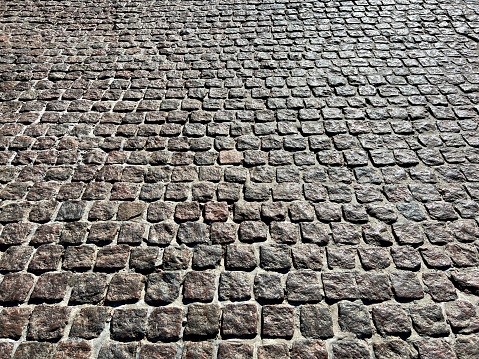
[278, 321]
[354, 318]
[128, 324]
[349, 349]
[165, 324]
[391, 319]
[73, 349]
[239, 179]
[163, 351]
[48, 322]
[202, 320]
[316, 322]
[303, 349]
[393, 349]
[13, 321]
[434, 348]
[239, 320]
[90, 322]
[235, 350]
[429, 320]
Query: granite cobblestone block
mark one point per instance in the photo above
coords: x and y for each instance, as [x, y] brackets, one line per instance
[239, 179]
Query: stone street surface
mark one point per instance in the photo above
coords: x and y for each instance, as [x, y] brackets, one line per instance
[239, 179]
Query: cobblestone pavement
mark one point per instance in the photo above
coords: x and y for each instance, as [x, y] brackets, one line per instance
[239, 179]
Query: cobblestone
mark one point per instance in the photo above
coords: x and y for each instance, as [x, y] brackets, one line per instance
[239, 179]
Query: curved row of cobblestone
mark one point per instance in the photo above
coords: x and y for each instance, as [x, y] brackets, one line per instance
[239, 179]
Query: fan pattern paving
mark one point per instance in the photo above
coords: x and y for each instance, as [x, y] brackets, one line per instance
[239, 179]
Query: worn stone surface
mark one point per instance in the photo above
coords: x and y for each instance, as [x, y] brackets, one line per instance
[165, 324]
[393, 349]
[434, 348]
[239, 179]
[316, 322]
[391, 319]
[239, 320]
[90, 322]
[278, 321]
[13, 321]
[48, 322]
[203, 320]
[354, 318]
[128, 324]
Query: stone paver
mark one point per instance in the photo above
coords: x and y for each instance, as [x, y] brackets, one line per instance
[239, 179]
